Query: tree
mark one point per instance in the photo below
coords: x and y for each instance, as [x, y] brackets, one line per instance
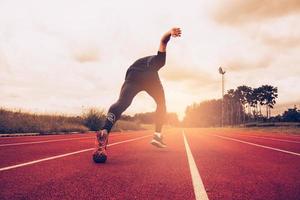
[172, 119]
[233, 100]
[268, 97]
[204, 114]
[244, 94]
[291, 115]
[228, 109]
[256, 101]
[240, 105]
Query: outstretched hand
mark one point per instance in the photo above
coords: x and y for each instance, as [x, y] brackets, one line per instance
[175, 32]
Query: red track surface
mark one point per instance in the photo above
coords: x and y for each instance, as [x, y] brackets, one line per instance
[135, 170]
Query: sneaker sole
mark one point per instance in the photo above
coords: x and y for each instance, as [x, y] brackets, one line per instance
[99, 157]
[157, 144]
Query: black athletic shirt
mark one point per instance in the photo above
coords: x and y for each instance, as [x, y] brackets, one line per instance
[148, 64]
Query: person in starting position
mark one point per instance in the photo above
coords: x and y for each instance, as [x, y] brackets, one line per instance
[142, 75]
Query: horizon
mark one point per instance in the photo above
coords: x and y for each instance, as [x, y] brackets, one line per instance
[77, 58]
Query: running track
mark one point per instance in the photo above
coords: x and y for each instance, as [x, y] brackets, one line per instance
[198, 164]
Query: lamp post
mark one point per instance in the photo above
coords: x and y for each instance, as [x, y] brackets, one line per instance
[222, 110]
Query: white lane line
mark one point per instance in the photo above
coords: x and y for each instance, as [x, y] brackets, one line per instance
[43, 141]
[67, 154]
[258, 145]
[198, 185]
[275, 139]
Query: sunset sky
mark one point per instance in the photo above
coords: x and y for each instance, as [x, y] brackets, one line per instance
[66, 55]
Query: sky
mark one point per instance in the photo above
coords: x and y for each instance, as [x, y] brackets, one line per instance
[65, 56]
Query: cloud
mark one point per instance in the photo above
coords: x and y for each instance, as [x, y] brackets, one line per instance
[239, 12]
[240, 64]
[281, 42]
[87, 54]
[4, 65]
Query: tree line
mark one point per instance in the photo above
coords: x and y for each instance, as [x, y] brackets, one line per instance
[241, 105]
[245, 103]
[290, 115]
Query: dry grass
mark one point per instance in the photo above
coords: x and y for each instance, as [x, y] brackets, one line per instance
[21, 122]
[25, 122]
[122, 125]
[255, 131]
[277, 130]
[258, 130]
[274, 127]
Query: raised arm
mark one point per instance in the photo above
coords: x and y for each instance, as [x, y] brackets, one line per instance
[174, 32]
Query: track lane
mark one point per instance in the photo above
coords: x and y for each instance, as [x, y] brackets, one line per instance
[199, 189]
[42, 141]
[229, 170]
[12, 155]
[281, 145]
[17, 139]
[288, 146]
[134, 170]
[232, 170]
[67, 154]
[25, 139]
[272, 135]
[271, 138]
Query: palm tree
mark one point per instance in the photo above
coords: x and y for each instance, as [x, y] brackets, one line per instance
[254, 100]
[232, 102]
[244, 93]
[268, 97]
[228, 109]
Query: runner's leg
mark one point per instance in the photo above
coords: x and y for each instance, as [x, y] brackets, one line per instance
[128, 92]
[156, 91]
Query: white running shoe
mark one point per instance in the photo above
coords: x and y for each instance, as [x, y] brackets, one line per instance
[158, 141]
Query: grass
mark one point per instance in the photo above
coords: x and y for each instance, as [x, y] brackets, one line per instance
[21, 122]
[278, 130]
[263, 131]
[123, 125]
[260, 130]
[272, 124]
[16, 122]
[273, 127]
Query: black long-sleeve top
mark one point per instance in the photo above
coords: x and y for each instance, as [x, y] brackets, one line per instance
[146, 67]
[149, 63]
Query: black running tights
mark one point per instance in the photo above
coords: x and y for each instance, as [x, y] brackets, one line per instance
[128, 91]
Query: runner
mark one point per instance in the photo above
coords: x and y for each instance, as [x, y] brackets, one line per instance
[142, 75]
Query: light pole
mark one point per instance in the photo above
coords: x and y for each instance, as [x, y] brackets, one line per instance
[222, 110]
